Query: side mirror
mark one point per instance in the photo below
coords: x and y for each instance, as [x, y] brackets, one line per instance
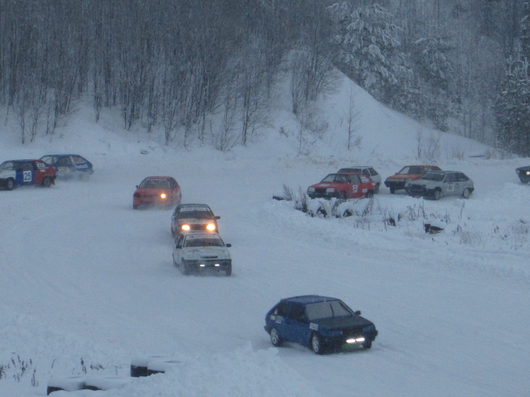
[228, 245]
[357, 313]
[217, 217]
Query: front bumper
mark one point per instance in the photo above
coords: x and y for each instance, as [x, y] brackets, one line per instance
[524, 175]
[194, 266]
[395, 184]
[344, 341]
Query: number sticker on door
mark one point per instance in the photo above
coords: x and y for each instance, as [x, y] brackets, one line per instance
[26, 176]
[355, 188]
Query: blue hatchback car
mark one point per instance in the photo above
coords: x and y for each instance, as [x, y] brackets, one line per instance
[320, 323]
[69, 165]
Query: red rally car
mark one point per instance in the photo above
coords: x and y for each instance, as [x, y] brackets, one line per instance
[157, 190]
[343, 186]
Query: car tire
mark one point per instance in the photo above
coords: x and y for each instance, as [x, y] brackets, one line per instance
[369, 194]
[466, 193]
[347, 213]
[316, 344]
[376, 188]
[228, 271]
[47, 182]
[184, 269]
[367, 345]
[392, 190]
[135, 207]
[436, 194]
[342, 196]
[275, 337]
[10, 184]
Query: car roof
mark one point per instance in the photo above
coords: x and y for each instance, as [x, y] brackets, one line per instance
[21, 160]
[444, 172]
[307, 299]
[356, 166]
[158, 177]
[62, 155]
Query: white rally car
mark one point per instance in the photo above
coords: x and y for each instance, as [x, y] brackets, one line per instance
[195, 252]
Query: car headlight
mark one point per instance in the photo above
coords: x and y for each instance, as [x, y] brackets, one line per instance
[527, 172]
[211, 227]
[163, 196]
[330, 190]
[356, 339]
[310, 189]
[185, 227]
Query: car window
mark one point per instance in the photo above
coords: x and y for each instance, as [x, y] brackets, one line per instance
[7, 165]
[40, 165]
[329, 178]
[373, 172]
[282, 309]
[462, 177]
[155, 184]
[415, 170]
[47, 159]
[404, 171]
[450, 178]
[355, 179]
[320, 310]
[297, 312]
[78, 160]
[195, 214]
[433, 176]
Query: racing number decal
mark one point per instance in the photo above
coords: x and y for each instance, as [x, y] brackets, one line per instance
[451, 187]
[26, 176]
[355, 188]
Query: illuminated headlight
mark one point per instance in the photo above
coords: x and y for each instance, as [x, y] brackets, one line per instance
[163, 196]
[202, 265]
[210, 227]
[330, 190]
[310, 189]
[359, 339]
[217, 264]
[527, 172]
[185, 228]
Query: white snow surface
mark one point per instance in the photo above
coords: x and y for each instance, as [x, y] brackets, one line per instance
[87, 284]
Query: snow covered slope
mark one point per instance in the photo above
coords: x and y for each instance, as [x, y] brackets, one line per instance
[88, 284]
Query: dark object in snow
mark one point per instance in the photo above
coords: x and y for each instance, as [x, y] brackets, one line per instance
[391, 221]
[279, 198]
[320, 323]
[431, 229]
[151, 365]
[65, 384]
[524, 174]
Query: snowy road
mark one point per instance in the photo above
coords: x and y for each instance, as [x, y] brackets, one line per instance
[85, 276]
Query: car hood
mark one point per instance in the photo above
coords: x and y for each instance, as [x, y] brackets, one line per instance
[527, 168]
[205, 253]
[196, 221]
[343, 322]
[325, 185]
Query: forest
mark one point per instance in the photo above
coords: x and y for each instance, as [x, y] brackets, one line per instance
[172, 65]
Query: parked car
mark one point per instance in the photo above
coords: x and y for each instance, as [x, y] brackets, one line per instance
[364, 172]
[437, 184]
[196, 252]
[15, 173]
[524, 174]
[157, 190]
[343, 186]
[69, 165]
[320, 323]
[193, 218]
[407, 173]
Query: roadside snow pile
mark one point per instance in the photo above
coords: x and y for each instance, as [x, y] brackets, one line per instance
[466, 222]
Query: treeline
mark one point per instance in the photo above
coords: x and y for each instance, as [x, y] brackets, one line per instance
[172, 64]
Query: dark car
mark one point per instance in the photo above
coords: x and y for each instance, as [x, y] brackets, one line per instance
[157, 190]
[69, 165]
[524, 174]
[320, 323]
[15, 173]
[193, 218]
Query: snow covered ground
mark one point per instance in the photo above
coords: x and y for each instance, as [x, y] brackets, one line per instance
[88, 284]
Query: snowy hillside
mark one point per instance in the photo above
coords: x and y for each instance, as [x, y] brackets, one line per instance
[88, 283]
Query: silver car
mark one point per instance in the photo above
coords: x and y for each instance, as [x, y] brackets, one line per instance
[197, 252]
[437, 184]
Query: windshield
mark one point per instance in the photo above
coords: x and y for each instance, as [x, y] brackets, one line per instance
[411, 170]
[337, 178]
[155, 184]
[196, 214]
[203, 242]
[318, 311]
[6, 165]
[433, 176]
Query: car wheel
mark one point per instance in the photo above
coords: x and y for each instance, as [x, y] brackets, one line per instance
[369, 193]
[392, 190]
[275, 338]
[367, 345]
[46, 182]
[228, 270]
[342, 196]
[437, 194]
[10, 184]
[376, 188]
[184, 269]
[347, 213]
[316, 344]
[135, 207]
[466, 193]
